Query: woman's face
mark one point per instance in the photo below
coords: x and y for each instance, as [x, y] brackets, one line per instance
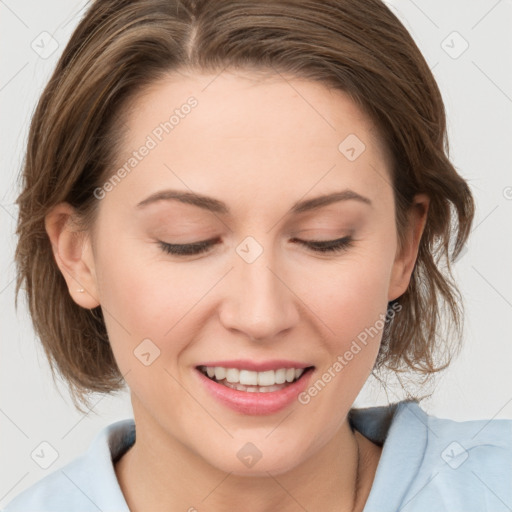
[257, 295]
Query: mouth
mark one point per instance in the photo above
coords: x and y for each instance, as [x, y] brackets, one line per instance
[254, 381]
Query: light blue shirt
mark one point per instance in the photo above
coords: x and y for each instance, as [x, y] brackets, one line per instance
[428, 464]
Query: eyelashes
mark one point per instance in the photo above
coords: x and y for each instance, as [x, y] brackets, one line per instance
[186, 249]
[318, 246]
[338, 245]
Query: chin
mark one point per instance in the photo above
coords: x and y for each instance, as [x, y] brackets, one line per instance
[255, 464]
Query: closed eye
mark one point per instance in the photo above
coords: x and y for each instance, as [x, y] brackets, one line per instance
[340, 244]
[321, 246]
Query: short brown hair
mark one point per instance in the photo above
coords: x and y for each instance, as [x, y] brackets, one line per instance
[122, 46]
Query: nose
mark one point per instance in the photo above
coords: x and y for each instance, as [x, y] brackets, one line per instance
[259, 299]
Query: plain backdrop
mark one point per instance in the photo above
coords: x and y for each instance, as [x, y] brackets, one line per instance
[467, 44]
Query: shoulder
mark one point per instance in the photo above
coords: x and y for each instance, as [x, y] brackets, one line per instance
[467, 465]
[87, 483]
[430, 463]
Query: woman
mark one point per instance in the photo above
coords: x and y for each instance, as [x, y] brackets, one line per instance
[241, 210]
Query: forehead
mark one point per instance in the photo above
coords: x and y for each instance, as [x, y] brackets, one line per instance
[252, 132]
[246, 104]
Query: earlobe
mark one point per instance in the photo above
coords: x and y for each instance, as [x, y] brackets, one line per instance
[405, 260]
[73, 255]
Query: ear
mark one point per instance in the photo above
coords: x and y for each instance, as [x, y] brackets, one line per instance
[406, 258]
[73, 255]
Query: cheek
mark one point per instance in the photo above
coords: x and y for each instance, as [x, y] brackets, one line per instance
[351, 295]
[350, 303]
[145, 298]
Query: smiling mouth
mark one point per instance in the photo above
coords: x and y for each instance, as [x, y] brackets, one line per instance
[254, 382]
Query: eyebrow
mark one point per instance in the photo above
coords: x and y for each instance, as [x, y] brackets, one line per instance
[214, 205]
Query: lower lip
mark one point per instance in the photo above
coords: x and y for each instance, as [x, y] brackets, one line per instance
[256, 403]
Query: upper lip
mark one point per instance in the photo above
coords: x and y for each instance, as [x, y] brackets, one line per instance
[257, 366]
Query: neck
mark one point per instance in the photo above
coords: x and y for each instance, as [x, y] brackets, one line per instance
[160, 473]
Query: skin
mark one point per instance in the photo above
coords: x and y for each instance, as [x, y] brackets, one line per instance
[259, 146]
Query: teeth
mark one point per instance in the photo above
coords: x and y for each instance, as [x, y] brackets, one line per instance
[250, 378]
[267, 378]
[254, 389]
[220, 373]
[232, 375]
[280, 376]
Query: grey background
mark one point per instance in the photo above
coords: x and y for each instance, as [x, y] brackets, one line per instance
[477, 89]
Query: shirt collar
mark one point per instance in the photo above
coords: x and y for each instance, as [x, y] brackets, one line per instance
[402, 429]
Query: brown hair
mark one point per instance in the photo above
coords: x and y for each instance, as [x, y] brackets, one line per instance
[122, 46]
